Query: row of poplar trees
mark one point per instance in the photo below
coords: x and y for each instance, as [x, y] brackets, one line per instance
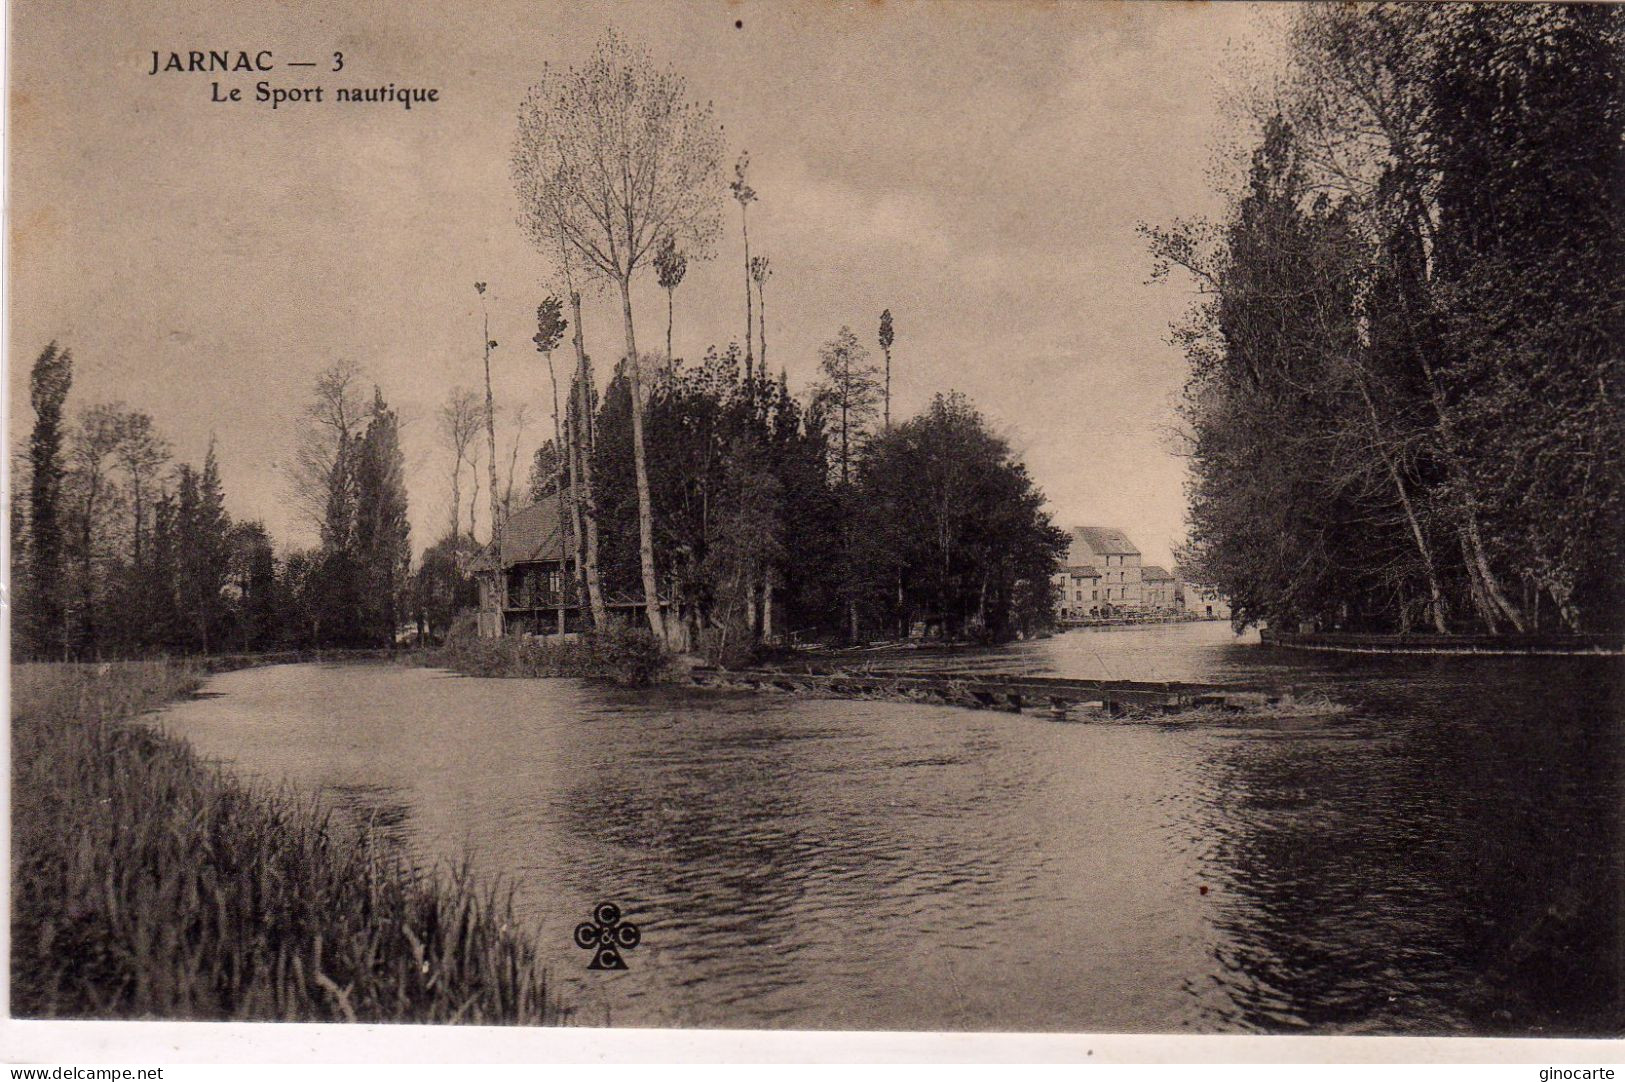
[710, 485]
[1405, 405]
[120, 551]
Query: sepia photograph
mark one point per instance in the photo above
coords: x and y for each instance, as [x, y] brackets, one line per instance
[940, 518]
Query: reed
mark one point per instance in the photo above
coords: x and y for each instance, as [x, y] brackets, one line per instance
[150, 884]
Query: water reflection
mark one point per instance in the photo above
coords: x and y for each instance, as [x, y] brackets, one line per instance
[1443, 858]
[1454, 869]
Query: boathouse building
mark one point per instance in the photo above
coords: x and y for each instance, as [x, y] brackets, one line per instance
[534, 585]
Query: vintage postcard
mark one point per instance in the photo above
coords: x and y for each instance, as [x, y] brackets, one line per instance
[1081, 518]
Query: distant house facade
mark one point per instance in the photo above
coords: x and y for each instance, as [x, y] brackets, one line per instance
[1203, 601]
[1079, 591]
[1158, 589]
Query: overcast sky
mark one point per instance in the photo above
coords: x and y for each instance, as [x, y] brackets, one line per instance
[979, 169]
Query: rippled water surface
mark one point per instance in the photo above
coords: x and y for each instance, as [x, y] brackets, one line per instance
[1443, 857]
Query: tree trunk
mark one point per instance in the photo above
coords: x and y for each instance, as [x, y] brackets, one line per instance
[744, 225]
[491, 439]
[1475, 586]
[888, 389]
[767, 606]
[646, 547]
[1487, 590]
[578, 539]
[670, 294]
[560, 458]
[1491, 586]
[457, 496]
[1435, 594]
[87, 618]
[981, 607]
[135, 492]
[1478, 565]
[761, 322]
[751, 610]
[843, 441]
[583, 441]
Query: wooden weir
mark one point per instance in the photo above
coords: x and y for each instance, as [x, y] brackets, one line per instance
[995, 691]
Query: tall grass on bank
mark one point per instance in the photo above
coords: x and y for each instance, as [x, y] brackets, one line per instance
[626, 655]
[148, 884]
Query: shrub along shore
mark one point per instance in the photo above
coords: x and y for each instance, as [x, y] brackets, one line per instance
[625, 655]
[147, 883]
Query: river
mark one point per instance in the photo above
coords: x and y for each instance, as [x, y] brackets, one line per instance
[1443, 857]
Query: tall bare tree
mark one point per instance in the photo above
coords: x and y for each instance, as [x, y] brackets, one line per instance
[474, 496]
[521, 422]
[335, 418]
[581, 451]
[490, 423]
[141, 452]
[745, 195]
[550, 325]
[760, 272]
[91, 457]
[611, 159]
[459, 419]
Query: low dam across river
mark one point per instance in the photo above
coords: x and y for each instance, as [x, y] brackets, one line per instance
[997, 691]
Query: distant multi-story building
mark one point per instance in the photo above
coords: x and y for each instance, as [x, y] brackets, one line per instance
[1102, 574]
[1109, 549]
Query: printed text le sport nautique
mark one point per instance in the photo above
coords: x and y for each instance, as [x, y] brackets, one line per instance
[265, 92]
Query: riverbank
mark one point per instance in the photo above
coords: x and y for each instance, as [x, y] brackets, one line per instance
[1532, 645]
[625, 655]
[150, 884]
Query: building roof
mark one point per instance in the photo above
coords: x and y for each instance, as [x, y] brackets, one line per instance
[1082, 571]
[1153, 573]
[1103, 541]
[534, 534]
